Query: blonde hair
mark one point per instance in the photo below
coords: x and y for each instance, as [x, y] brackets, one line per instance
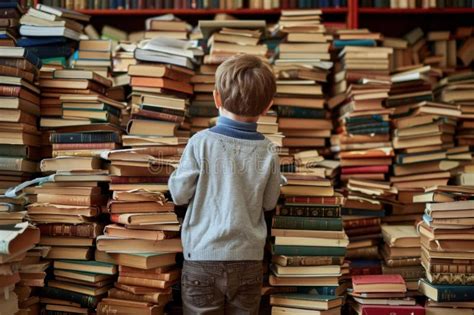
[245, 84]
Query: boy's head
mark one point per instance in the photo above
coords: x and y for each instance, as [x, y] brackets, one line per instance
[245, 86]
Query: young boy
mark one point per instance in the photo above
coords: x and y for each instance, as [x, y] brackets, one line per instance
[229, 175]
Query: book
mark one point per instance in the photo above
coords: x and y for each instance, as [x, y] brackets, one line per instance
[378, 283]
[302, 223]
[306, 301]
[446, 293]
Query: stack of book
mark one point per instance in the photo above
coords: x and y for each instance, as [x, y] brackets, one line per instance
[310, 243]
[11, 12]
[144, 225]
[424, 141]
[16, 240]
[362, 212]
[51, 32]
[229, 37]
[362, 142]
[402, 254]
[167, 26]
[94, 55]
[454, 89]
[202, 108]
[67, 207]
[19, 110]
[302, 69]
[447, 255]
[382, 294]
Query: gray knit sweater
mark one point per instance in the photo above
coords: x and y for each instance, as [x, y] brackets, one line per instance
[229, 175]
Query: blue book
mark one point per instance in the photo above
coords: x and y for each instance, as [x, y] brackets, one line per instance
[361, 120]
[291, 250]
[327, 290]
[40, 41]
[9, 4]
[51, 51]
[357, 42]
[447, 293]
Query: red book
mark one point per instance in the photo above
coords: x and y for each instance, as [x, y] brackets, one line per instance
[316, 200]
[379, 283]
[363, 222]
[365, 169]
[391, 310]
[138, 179]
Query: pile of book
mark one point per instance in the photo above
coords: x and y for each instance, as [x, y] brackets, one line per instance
[302, 69]
[51, 32]
[19, 110]
[310, 243]
[67, 208]
[16, 241]
[11, 12]
[447, 255]
[94, 55]
[379, 294]
[402, 254]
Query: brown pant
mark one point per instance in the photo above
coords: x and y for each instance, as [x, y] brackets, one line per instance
[221, 287]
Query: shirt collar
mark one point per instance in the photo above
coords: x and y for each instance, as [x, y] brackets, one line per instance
[234, 124]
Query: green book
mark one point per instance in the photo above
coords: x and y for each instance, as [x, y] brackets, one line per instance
[90, 266]
[305, 223]
[290, 250]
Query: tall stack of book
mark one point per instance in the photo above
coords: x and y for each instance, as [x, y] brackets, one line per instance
[11, 12]
[447, 255]
[202, 108]
[302, 69]
[310, 243]
[424, 140]
[362, 212]
[51, 32]
[380, 294]
[94, 55]
[16, 240]
[402, 254]
[67, 207]
[362, 142]
[19, 110]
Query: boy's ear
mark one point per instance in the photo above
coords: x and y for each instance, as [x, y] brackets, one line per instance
[217, 99]
[268, 108]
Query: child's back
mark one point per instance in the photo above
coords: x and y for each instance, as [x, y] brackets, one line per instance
[229, 174]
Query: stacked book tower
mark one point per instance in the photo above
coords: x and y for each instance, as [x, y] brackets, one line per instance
[310, 243]
[94, 55]
[144, 237]
[381, 294]
[16, 241]
[19, 111]
[301, 68]
[51, 33]
[362, 141]
[402, 254]
[11, 12]
[67, 207]
[446, 252]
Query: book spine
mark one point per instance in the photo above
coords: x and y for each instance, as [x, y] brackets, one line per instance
[451, 268]
[362, 212]
[366, 230]
[203, 111]
[326, 290]
[366, 252]
[13, 150]
[10, 164]
[348, 224]
[80, 230]
[297, 112]
[66, 200]
[84, 137]
[315, 200]
[157, 115]
[310, 211]
[6, 90]
[138, 180]
[370, 270]
[403, 262]
[313, 261]
[289, 250]
[302, 223]
[455, 293]
[105, 308]
[124, 295]
[452, 278]
[83, 146]
[142, 282]
[82, 299]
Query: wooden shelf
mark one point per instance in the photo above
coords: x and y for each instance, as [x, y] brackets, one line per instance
[417, 11]
[201, 11]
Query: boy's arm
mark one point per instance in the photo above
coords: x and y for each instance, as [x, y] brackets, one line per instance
[272, 191]
[182, 183]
